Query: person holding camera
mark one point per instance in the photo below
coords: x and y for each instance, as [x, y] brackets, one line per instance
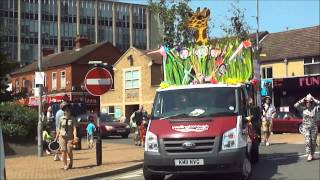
[309, 106]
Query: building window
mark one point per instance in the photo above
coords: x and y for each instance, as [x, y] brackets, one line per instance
[266, 72]
[132, 79]
[312, 65]
[110, 110]
[17, 85]
[63, 80]
[54, 81]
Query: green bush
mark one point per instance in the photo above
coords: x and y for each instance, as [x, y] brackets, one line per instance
[17, 120]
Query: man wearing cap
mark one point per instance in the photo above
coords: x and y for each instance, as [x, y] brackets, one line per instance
[67, 134]
[309, 106]
[268, 112]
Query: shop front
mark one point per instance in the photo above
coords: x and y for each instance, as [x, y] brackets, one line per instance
[287, 91]
[81, 102]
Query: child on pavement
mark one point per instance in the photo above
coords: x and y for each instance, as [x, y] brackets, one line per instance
[47, 138]
[90, 130]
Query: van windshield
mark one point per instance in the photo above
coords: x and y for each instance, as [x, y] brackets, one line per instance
[197, 102]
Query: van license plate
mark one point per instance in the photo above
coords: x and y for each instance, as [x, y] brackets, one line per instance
[188, 162]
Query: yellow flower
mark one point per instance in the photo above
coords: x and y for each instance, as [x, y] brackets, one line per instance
[164, 85]
[232, 81]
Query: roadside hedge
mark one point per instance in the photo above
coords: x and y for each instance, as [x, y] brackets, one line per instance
[17, 120]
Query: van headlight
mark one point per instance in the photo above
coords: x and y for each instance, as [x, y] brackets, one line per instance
[229, 139]
[151, 144]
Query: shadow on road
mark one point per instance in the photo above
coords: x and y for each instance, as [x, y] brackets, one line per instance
[266, 169]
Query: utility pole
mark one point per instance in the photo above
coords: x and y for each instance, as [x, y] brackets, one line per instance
[256, 63]
[257, 35]
[40, 152]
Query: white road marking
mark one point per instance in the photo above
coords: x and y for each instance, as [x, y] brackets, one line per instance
[127, 176]
[98, 81]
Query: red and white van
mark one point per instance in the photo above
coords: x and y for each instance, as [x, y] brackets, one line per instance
[199, 129]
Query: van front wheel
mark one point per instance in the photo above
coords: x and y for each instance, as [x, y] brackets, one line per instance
[246, 169]
[150, 176]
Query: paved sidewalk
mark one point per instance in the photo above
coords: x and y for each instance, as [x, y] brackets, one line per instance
[287, 138]
[114, 156]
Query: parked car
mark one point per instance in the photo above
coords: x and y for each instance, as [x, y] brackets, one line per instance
[287, 122]
[109, 126]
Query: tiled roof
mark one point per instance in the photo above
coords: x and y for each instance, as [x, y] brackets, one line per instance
[291, 44]
[156, 57]
[68, 57]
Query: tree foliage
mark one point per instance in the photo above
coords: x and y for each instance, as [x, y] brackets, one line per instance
[236, 26]
[173, 15]
[17, 120]
[6, 67]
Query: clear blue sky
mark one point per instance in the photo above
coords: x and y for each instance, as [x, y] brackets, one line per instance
[275, 15]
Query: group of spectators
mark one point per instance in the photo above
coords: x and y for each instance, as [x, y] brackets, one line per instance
[61, 128]
[309, 107]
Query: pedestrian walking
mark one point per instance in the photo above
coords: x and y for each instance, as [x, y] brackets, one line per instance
[137, 119]
[58, 115]
[67, 134]
[268, 112]
[309, 107]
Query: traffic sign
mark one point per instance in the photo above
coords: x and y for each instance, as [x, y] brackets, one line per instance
[98, 81]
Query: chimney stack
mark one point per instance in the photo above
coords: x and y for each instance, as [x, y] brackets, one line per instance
[81, 41]
[47, 51]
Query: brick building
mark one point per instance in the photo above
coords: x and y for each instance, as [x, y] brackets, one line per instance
[65, 73]
[136, 78]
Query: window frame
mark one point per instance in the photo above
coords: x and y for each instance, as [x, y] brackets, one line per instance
[264, 72]
[63, 86]
[131, 79]
[311, 64]
[54, 83]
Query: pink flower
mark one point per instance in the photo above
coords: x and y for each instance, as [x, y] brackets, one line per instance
[163, 51]
[246, 43]
[214, 52]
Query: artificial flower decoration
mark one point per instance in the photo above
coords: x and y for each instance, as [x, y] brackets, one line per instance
[218, 61]
[214, 52]
[184, 53]
[202, 52]
[254, 81]
[246, 43]
[163, 51]
[213, 81]
[164, 85]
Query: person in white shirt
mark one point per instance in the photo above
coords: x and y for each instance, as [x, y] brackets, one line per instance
[268, 112]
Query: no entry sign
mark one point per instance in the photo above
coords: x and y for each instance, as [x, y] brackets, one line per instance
[98, 81]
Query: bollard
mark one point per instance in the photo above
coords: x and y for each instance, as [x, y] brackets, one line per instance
[98, 147]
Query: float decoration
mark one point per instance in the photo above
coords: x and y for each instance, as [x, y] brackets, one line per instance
[228, 61]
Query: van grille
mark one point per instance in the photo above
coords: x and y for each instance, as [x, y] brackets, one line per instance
[175, 145]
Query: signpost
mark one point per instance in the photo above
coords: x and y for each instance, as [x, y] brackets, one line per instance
[98, 81]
